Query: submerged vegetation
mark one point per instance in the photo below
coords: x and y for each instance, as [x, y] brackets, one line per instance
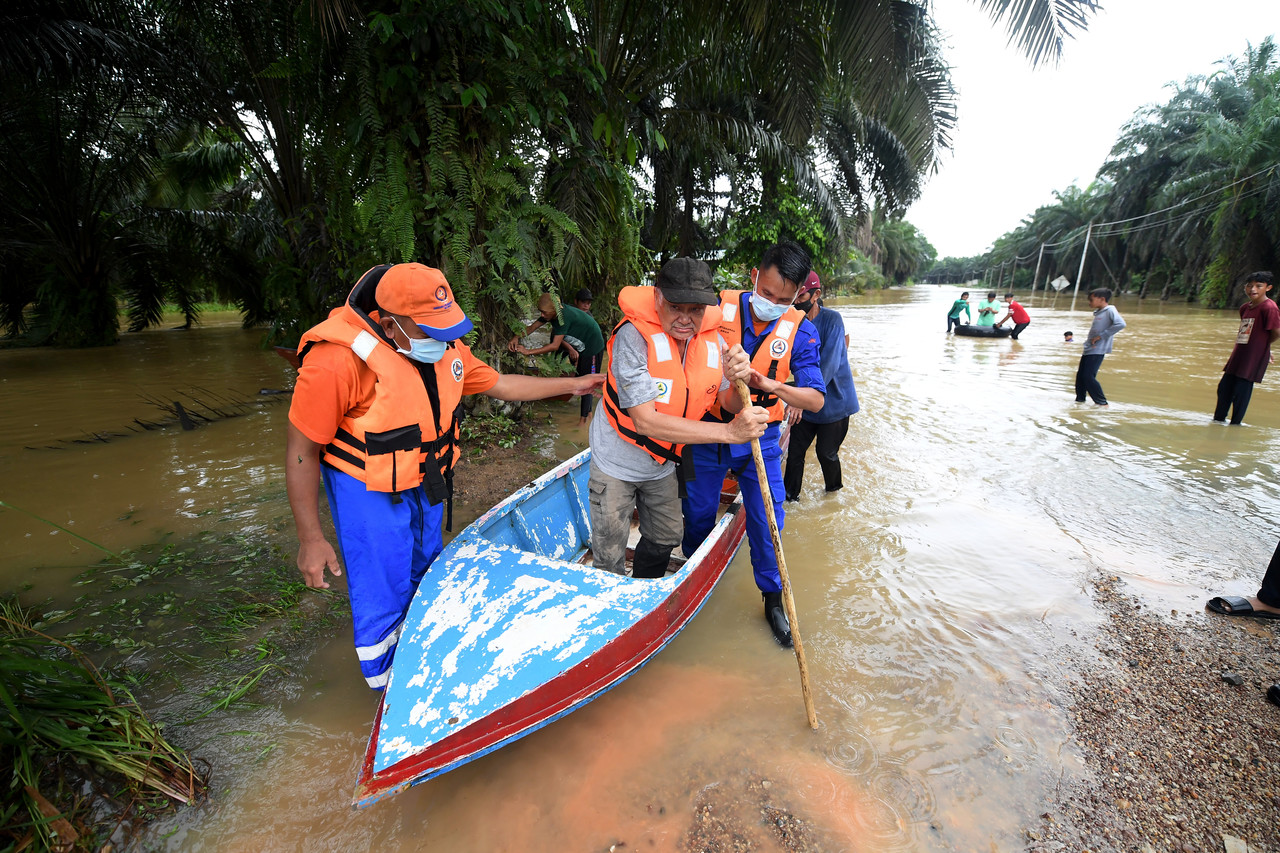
[1187, 203]
[91, 766]
[75, 736]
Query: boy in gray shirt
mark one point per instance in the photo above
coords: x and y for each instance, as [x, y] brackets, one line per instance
[1106, 322]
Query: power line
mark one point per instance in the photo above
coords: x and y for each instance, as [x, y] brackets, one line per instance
[1073, 235]
[1194, 198]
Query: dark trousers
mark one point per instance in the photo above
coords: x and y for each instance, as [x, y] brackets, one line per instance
[1087, 379]
[952, 321]
[1017, 329]
[588, 365]
[1233, 394]
[830, 437]
[1269, 594]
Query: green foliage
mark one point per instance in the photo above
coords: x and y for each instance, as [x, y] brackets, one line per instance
[454, 185]
[485, 429]
[733, 276]
[760, 225]
[1188, 200]
[900, 248]
[553, 364]
[1217, 286]
[856, 275]
[266, 152]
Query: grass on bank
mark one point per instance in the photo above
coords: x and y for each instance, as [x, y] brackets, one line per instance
[90, 766]
[67, 729]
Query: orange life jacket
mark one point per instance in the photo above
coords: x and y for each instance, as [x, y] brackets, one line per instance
[687, 388]
[772, 352]
[410, 431]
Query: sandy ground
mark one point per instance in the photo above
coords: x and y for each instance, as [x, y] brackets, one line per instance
[1180, 758]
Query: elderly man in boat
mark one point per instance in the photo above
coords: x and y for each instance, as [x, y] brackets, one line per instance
[667, 366]
[373, 417]
[782, 344]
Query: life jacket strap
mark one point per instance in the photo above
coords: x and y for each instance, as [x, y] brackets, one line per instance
[615, 409]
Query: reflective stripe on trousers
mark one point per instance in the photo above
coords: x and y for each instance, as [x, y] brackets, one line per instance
[385, 548]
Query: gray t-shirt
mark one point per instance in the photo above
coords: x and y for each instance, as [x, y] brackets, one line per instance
[1106, 322]
[611, 453]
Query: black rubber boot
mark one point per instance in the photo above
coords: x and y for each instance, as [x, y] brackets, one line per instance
[776, 615]
[650, 560]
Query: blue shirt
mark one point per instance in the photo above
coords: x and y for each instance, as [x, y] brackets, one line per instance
[842, 397]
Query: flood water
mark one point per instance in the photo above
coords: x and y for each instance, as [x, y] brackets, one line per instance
[938, 593]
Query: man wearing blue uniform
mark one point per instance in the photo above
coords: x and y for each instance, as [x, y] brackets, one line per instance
[782, 344]
[374, 417]
[830, 424]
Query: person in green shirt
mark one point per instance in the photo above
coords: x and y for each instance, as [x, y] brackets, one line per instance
[572, 330]
[961, 304]
[987, 310]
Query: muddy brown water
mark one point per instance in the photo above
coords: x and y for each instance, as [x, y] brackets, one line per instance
[934, 590]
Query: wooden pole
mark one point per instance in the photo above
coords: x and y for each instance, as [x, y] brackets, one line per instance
[787, 601]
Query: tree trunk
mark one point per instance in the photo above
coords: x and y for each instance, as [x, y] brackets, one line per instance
[687, 230]
[1146, 281]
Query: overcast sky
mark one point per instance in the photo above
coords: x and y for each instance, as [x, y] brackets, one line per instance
[1024, 133]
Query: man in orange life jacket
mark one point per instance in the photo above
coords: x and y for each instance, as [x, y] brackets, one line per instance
[667, 366]
[374, 415]
[781, 343]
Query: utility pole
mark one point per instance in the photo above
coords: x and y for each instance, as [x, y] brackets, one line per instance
[1083, 255]
[1036, 277]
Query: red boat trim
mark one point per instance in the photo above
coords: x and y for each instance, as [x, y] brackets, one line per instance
[562, 694]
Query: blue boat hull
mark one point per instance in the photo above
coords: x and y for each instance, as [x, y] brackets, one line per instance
[509, 631]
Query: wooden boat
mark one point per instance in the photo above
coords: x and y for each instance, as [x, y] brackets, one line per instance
[512, 629]
[289, 354]
[983, 331]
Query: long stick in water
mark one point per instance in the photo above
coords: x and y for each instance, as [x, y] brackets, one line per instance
[787, 601]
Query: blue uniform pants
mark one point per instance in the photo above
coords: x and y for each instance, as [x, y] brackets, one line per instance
[386, 548]
[711, 462]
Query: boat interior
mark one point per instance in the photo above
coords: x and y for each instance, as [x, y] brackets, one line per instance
[555, 521]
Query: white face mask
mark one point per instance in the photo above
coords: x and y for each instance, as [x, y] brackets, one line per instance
[425, 350]
[765, 310]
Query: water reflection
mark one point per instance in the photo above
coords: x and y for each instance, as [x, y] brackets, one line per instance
[937, 591]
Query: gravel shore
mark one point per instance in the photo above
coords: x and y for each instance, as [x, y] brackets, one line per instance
[1180, 758]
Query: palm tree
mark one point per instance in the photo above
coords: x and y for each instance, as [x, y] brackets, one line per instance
[1197, 179]
[81, 138]
[506, 141]
[849, 101]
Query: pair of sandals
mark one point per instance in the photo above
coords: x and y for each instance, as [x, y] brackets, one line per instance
[1234, 605]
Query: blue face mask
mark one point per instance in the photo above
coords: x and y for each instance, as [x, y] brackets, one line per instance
[764, 309]
[425, 350]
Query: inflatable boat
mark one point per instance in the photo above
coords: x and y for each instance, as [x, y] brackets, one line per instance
[983, 331]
